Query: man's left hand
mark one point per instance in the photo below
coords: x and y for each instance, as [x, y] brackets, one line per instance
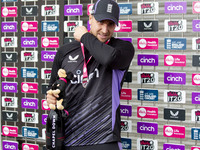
[79, 31]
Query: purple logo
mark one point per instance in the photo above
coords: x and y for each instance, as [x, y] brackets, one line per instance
[196, 25]
[48, 55]
[73, 10]
[29, 42]
[147, 128]
[195, 98]
[125, 39]
[9, 87]
[9, 26]
[147, 60]
[173, 147]
[29, 103]
[10, 145]
[174, 78]
[44, 119]
[175, 7]
[125, 110]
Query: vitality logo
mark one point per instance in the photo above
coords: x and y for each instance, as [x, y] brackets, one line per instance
[46, 73]
[147, 112]
[69, 26]
[29, 56]
[9, 11]
[174, 96]
[148, 8]
[126, 94]
[195, 79]
[9, 41]
[148, 77]
[50, 10]
[147, 144]
[29, 117]
[11, 102]
[11, 131]
[175, 25]
[174, 131]
[29, 87]
[124, 26]
[50, 42]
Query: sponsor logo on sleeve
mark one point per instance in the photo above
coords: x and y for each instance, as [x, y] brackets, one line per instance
[50, 10]
[10, 115]
[9, 41]
[29, 41]
[50, 42]
[196, 7]
[147, 112]
[126, 126]
[9, 87]
[69, 26]
[174, 78]
[44, 105]
[174, 96]
[28, 87]
[126, 110]
[147, 60]
[147, 128]
[147, 43]
[175, 7]
[10, 145]
[9, 27]
[147, 144]
[195, 115]
[195, 79]
[175, 26]
[147, 8]
[73, 10]
[147, 77]
[29, 26]
[175, 60]
[195, 98]
[11, 131]
[9, 57]
[29, 11]
[26, 146]
[29, 72]
[174, 131]
[126, 94]
[9, 11]
[174, 114]
[46, 73]
[125, 9]
[11, 102]
[195, 134]
[29, 56]
[126, 143]
[44, 119]
[50, 26]
[10, 72]
[29, 103]
[195, 148]
[29, 117]
[129, 39]
[175, 43]
[30, 132]
[124, 26]
[48, 55]
[167, 146]
[147, 26]
[147, 95]
[196, 60]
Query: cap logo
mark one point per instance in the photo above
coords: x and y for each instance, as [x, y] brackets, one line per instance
[109, 8]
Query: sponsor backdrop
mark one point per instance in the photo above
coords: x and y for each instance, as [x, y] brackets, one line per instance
[160, 97]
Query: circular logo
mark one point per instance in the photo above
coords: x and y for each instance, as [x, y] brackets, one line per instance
[142, 112]
[117, 28]
[197, 7]
[45, 105]
[196, 79]
[5, 11]
[45, 42]
[168, 131]
[26, 147]
[142, 43]
[90, 9]
[25, 26]
[5, 71]
[6, 130]
[169, 60]
[25, 87]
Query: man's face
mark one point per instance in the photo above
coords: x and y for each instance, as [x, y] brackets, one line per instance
[103, 30]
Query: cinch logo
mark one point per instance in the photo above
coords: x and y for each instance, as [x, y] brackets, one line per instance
[9, 12]
[29, 103]
[9, 26]
[48, 55]
[176, 7]
[147, 128]
[195, 98]
[29, 42]
[196, 25]
[44, 119]
[174, 78]
[173, 147]
[73, 10]
[145, 144]
[9, 87]
[147, 60]
[195, 79]
[10, 145]
[9, 102]
[148, 8]
[125, 110]
[196, 7]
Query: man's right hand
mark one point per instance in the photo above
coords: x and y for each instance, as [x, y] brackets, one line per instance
[51, 99]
